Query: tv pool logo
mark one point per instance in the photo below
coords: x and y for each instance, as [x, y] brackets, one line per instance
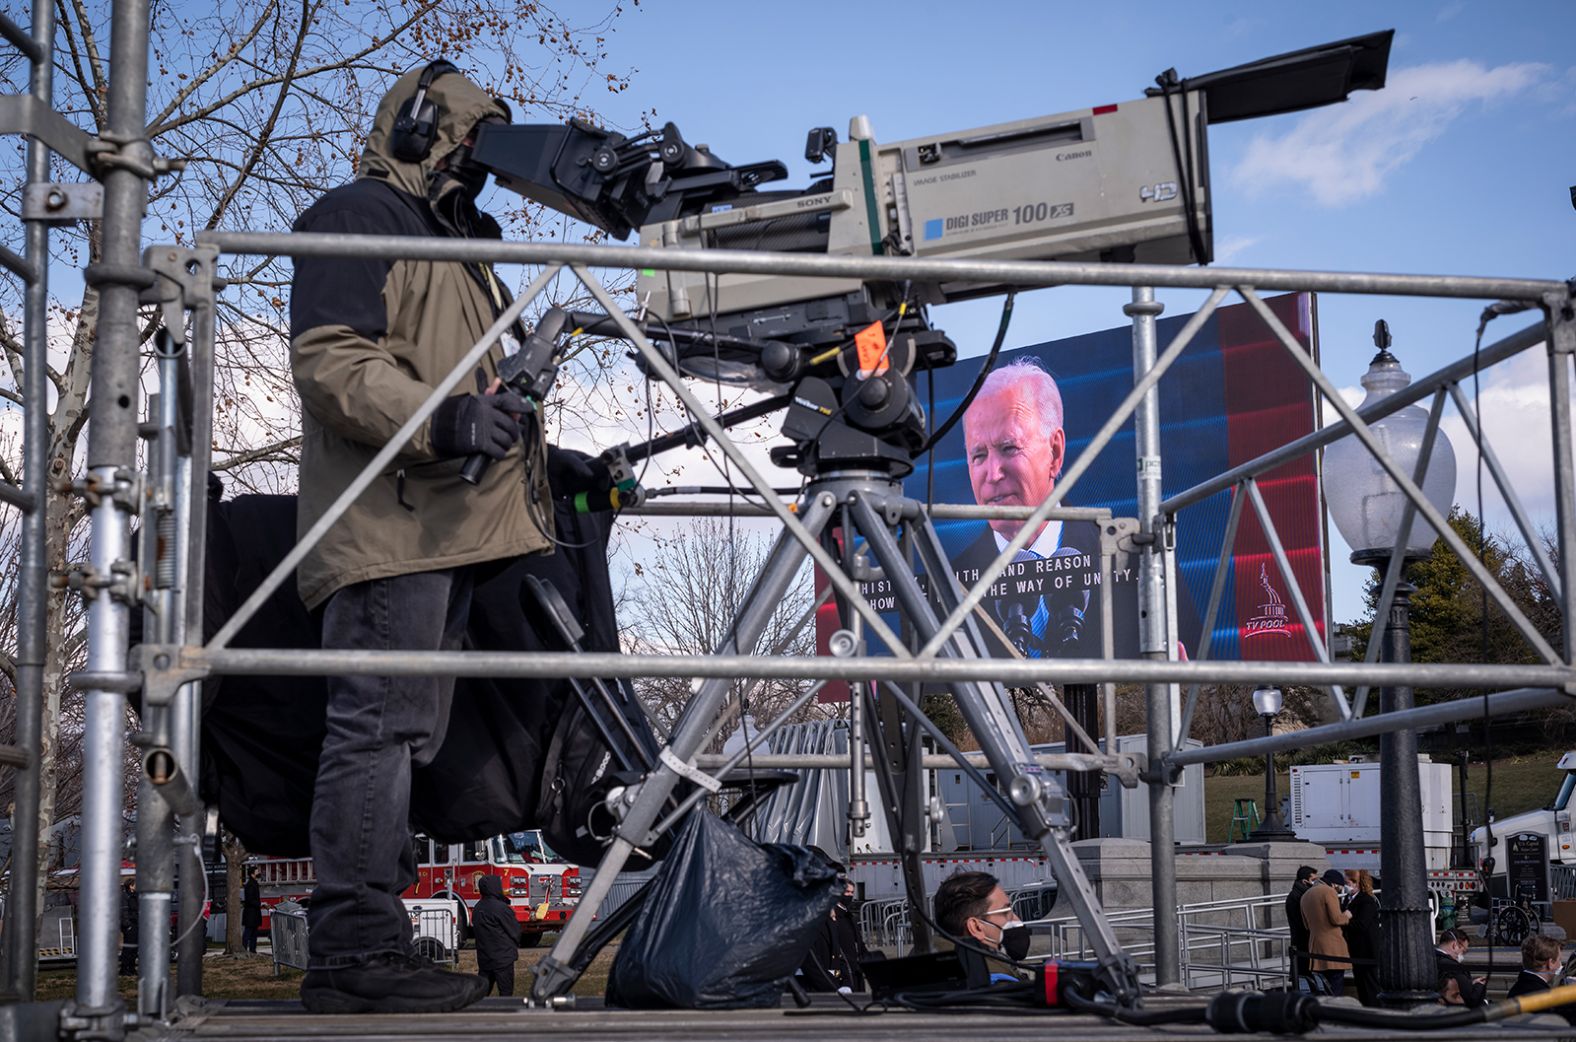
[1271, 618]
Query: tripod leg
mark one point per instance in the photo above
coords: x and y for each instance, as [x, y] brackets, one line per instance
[1041, 801]
[555, 974]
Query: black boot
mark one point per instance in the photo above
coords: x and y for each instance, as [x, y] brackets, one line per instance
[389, 983]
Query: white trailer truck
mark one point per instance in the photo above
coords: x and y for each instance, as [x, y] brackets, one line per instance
[1552, 821]
[1338, 806]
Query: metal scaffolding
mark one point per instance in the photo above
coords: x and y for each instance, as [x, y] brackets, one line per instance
[170, 500]
[19, 963]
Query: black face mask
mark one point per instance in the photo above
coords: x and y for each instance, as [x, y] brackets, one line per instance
[1014, 939]
[471, 175]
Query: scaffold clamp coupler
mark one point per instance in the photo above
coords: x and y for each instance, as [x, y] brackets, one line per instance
[1562, 322]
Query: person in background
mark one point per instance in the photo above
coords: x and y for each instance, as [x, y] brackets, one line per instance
[832, 963]
[1540, 970]
[497, 933]
[1321, 911]
[128, 928]
[1294, 923]
[1455, 983]
[251, 909]
[1362, 934]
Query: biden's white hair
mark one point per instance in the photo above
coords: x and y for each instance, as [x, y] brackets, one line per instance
[1043, 392]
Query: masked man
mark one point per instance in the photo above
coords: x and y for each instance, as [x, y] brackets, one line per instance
[370, 339]
[972, 907]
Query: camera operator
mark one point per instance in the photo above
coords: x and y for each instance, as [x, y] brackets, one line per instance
[370, 338]
[1016, 447]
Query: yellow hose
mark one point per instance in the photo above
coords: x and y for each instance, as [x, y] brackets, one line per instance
[1542, 1000]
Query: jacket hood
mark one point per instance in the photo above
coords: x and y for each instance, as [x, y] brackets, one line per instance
[490, 886]
[461, 105]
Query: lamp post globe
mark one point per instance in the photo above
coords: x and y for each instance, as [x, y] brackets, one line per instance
[1267, 703]
[1368, 507]
[1365, 502]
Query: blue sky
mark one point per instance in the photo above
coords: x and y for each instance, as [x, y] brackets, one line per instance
[1461, 165]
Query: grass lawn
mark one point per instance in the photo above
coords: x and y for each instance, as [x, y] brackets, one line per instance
[1520, 783]
[252, 976]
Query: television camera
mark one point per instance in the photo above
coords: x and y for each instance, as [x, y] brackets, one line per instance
[1125, 182]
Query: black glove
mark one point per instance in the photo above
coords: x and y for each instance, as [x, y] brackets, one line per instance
[471, 423]
[570, 473]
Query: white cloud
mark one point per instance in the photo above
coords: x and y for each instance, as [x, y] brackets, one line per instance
[1515, 406]
[1450, 10]
[1233, 246]
[1344, 152]
[1352, 395]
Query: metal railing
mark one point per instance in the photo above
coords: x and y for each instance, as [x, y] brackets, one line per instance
[885, 924]
[287, 936]
[1221, 944]
[65, 948]
[1562, 882]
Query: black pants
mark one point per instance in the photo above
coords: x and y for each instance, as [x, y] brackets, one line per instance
[1299, 963]
[1367, 980]
[378, 728]
[1336, 979]
[128, 952]
[502, 979]
[249, 938]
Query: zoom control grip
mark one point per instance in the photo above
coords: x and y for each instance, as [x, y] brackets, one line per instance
[476, 465]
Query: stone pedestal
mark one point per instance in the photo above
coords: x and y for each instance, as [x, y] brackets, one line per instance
[1118, 869]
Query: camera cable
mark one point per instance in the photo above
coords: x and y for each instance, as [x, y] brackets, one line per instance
[979, 379]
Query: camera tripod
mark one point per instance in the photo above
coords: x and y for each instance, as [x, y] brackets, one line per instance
[867, 503]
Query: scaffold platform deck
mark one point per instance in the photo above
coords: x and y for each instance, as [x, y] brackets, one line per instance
[826, 1020]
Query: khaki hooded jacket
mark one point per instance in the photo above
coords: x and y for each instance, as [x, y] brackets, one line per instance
[370, 339]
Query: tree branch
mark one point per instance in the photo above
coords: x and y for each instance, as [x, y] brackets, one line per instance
[240, 459]
[196, 83]
[422, 10]
[270, 123]
[96, 88]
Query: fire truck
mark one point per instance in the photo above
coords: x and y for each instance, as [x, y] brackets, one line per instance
[542, 889]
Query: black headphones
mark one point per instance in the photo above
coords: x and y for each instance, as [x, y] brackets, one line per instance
[416, 125]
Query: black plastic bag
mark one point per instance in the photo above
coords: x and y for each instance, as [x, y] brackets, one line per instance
[727, 921]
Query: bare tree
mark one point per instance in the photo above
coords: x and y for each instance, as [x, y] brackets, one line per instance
[268, 104]
[1225, 712]
[235, 883]
[686, 602]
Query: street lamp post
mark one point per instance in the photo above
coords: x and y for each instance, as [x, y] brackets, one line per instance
[1272, 829]
[1369, 509]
